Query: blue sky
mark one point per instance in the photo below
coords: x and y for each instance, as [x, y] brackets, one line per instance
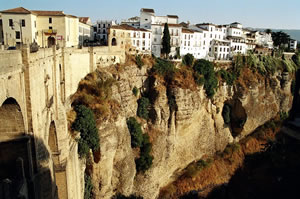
[252, 13]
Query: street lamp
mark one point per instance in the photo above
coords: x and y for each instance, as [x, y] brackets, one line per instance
[20, 24]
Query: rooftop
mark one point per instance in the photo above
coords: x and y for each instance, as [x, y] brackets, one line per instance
[172, 16]
[147, 10]
[127, 27]
[84, 19]
[21, 10]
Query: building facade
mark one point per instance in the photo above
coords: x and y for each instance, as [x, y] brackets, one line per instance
[101, 30]
[85, 30]
[46, 28]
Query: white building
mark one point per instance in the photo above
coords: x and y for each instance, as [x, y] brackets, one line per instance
[85, 30]
[101, 30]
[293, 44]
[135, 40]
[264, 39]
[133, 21]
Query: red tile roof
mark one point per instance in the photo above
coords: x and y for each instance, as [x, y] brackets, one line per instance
[48, 13]
[84, 19]
[19, 10]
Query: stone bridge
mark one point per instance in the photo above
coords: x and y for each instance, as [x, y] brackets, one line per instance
[35, 95]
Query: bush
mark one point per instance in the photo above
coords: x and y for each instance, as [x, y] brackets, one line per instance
[206, 69]
[145, 161]
[226, 113]
[143, 106]
[227, 76]
[139, 61]
[136, 132]
[135, 91]
[188, 59]
[284, 115]
[164, 68]
[88, 187]
[85, 123]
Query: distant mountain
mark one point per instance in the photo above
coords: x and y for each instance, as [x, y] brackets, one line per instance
[295, 34]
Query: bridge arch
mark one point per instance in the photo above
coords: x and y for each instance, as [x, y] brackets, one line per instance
[11, 120]
[58, 167]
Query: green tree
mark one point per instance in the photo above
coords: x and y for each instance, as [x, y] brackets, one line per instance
[136, 132]
[85, 123]
[188, 59]
[166, 46]
[280, 38]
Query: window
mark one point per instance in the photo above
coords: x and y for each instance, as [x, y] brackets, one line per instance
[108, 25]
[104, 32]
[23, 22]
[146, 19]
[99, 25]
[50, 20]
[103, 25]
[210, 35]
[35, 24]
[138, 43]
[50, 27]
[17, 34]
[204, 35]
[95, 29]
[11, 22]
[144, 35]
[144, 43]
[155, 39]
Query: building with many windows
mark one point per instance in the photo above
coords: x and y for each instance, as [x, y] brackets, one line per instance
[101, 30]
[46, 28]
[134, 40]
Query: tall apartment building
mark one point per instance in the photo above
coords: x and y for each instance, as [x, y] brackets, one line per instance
[101, 30]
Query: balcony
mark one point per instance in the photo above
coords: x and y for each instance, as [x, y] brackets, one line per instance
[50, 31]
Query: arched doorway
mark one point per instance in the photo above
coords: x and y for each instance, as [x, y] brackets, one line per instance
[59, 170]
[114, 42]
[11, 120]
[51, 41]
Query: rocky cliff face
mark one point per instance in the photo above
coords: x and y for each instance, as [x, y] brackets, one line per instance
[196, 127]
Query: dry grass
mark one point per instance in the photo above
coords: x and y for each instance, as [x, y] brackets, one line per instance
[95, 91]
[184, 78]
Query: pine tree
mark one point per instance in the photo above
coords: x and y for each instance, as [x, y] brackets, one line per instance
[166, 46]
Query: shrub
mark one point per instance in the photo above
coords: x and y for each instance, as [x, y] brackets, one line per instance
[139, 61]
[143, 106]
[188, 59]
[206, 69]
[284, 115]
[88, 187]
[145, 161]
[227, 76]
[85, 123]
[226, 113]
[136, 132]
[164, 68]
[135, 91]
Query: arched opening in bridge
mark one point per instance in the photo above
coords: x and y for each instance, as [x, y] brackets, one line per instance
[114, 42]
[51, 41]
[59, 168]
[11, 120]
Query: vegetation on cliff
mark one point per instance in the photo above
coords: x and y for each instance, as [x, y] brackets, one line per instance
[85, 124]
[138, 139]
[95, 91]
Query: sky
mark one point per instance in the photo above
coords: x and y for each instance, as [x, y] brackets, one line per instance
[275, 14]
